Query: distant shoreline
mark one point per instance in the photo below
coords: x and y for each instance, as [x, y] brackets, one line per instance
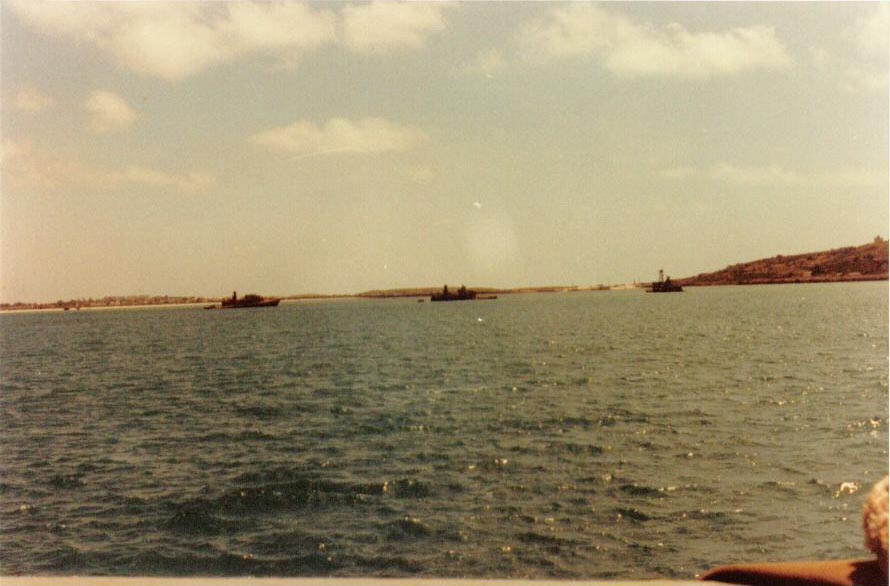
[52, 308]
[788, 281]
[426, 292]
[868, 262]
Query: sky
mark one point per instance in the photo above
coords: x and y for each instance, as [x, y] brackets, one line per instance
[284, 148]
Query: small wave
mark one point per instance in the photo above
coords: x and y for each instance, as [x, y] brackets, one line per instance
[570, 422]
[527, 425]
[707, 514]
[550, 542]
[389, 565]
[259, 493]
[259, 411]
[64, 559]
[228, 564]
[493, 464]
[270, 498]
[633, 514]
[822, 485]
[779, 485]
[273, 475]
[213, 437]
[607, 421]
[407, 528]
[254, 434]
[66, 481]
[407, 488]
[639, 490]
[573, 448]
[387, 425]
[194, 521]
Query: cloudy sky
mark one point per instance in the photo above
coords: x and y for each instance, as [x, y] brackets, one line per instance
[338, 147]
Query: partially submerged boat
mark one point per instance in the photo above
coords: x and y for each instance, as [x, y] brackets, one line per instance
[664, 285]
[463, 294]
[250, 300]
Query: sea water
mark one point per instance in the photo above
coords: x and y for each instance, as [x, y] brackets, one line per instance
[597, 434]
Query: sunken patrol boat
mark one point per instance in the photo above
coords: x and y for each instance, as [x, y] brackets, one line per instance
[247, 301]
[664, 285]
[463, 294]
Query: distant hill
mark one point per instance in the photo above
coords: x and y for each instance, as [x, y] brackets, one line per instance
[852, 263]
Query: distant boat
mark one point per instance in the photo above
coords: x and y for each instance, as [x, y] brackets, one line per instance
[463, 294]
[664, 285]
[250, 300]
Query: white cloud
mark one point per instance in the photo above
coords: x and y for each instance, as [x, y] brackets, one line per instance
[775, 175]
[386, 26]
[338, 135]
[870, 38]
[28, 168]
[267, 26]
[871, 34]
[770, 174]
[628, 48]
[858, 78]
[193, 182]
[170, 42]
[109, 112]
[176, 40]
[573, 30]
[779, 175]
[855, 76]
[29, 99]
[179, 39]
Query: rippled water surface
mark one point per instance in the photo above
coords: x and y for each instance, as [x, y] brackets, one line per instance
[571, 435]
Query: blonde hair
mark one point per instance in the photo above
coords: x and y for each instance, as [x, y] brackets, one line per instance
[874, 521]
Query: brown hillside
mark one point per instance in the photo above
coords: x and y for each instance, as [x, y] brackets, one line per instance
[852, 263]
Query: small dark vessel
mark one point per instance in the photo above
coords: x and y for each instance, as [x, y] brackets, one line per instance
[664, 285]
[250, 300]
[463, 294]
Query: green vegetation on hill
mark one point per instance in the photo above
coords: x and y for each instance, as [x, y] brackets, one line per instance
[852, 263]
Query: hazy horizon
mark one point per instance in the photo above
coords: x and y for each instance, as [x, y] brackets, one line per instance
[200, 148]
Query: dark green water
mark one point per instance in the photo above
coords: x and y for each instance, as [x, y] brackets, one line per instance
[613, 434]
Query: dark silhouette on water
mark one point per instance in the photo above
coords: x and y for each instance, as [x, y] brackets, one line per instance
[664, 285]
[250, 300]
[463, 294]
